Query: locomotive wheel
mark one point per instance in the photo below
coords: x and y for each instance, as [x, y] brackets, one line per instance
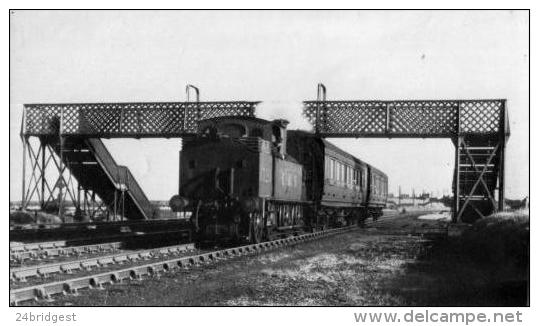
[256, 228]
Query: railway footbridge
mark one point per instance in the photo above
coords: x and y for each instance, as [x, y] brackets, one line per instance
[479, 129]
[69, 142]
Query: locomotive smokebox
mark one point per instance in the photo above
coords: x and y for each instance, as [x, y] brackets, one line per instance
[178, 203]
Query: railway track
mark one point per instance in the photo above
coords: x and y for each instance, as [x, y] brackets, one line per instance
[72, 233]
[47, 291]
[22, 247]
[40, 252]
[22, 252]
[164, 263]
[46, 270]
[387, 225]
[25, 251]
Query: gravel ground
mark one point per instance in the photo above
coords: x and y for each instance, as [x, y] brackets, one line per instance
[366, 267]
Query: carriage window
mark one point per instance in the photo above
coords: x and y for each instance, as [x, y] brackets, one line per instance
[327, 171]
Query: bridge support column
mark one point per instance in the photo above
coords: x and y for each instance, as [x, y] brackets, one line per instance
[478, 170]
[23, 195]
[46, 179]
[456, 181]
[34, 182]
[501, 176]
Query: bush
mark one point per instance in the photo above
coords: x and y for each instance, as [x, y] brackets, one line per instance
[21, 217]
[500, 239]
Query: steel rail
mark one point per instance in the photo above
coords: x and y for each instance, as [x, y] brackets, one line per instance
[46, 270]
[384, 224]
[64, 251]
[72, 286]
[104, 246]
[36, 246]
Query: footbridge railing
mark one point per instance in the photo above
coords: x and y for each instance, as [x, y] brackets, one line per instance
[126, 120]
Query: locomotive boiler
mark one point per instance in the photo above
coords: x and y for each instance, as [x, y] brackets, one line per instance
[249, 179]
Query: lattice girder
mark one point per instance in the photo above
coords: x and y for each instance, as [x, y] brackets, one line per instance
[156, 119]
[431, 118]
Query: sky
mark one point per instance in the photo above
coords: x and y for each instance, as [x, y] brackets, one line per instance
[277, 57]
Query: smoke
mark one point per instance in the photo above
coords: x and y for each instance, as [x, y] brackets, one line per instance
[289, 110]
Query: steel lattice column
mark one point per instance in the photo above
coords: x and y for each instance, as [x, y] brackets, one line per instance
[478, 171]
[48, 182]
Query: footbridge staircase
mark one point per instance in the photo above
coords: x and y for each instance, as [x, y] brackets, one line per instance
[70, 165]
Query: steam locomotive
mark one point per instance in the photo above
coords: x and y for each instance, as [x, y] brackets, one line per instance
[249, 179]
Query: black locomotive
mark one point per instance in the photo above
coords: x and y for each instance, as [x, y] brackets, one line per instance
[244, 178]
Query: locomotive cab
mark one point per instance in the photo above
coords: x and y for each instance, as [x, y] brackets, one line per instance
[273, 132]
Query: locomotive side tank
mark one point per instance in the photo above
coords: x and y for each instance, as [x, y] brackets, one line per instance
[233, 172]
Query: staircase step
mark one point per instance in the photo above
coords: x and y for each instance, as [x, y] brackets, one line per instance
[94, 167]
